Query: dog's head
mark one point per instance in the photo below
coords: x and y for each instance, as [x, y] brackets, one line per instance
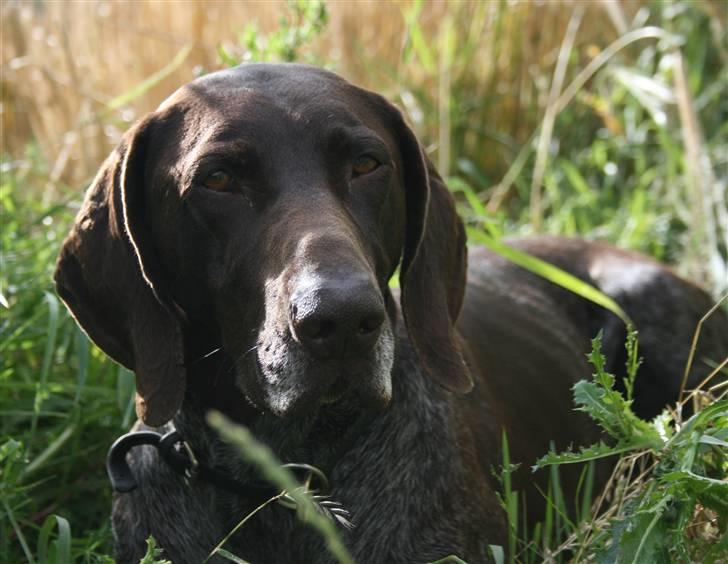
[269, 205]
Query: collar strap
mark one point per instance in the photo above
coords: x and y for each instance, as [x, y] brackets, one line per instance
[178, 455]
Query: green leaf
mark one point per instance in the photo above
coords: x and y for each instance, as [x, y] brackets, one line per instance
[230, 556]
[646, 538]
[703, 418]
[575, 178]
[710, 440]
[225, 57]
[585, 454]
[62, 543]
[711, 492]
[498, 554]
[609, 408]
[153, 555]
[644, 535]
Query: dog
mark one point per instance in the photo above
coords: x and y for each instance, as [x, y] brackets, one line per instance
[236, 250]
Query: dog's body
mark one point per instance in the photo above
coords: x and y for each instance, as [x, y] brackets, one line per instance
[262, 211]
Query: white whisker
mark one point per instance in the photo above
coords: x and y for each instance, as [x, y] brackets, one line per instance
[246, 353]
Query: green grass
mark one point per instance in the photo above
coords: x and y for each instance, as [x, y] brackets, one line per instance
[618, 165]
[61, 399]
[668, 493]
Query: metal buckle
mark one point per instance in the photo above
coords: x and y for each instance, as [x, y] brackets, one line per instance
[311, 473]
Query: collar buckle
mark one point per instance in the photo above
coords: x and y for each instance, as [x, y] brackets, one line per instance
[313, 481]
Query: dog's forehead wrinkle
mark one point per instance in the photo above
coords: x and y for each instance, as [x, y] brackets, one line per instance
[306, 95]
[274, 76]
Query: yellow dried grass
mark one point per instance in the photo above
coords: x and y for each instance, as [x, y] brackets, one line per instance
[63, 62]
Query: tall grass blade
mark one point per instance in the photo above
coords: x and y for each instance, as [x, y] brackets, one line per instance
[708, 266]
[82, 353]
[62, 543]
[230, 556]
[550, 272]
[497, 553]
[694, 343]
[261, 456]
[218, 549]
[18, 532]
[648, 32]
[48, 452]
[50, 348]
[151, 81]
[547, 125]
[417, 37]
[444, 95]
[587, 492]
[510, 499]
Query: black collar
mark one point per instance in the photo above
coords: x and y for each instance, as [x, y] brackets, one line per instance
[178, 455]
[176, 452]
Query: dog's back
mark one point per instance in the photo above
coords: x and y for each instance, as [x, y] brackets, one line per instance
[528, 339]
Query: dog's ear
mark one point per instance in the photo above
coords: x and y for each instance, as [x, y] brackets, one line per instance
[433, 269]
[109, 276]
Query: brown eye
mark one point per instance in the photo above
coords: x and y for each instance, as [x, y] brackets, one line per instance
[364, 165]
[218, 180]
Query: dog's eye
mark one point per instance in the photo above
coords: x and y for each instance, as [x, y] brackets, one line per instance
[218, 180]
[364, 165]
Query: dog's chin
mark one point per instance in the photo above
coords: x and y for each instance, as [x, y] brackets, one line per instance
[310, 393]
[303, 392]
[282, 379]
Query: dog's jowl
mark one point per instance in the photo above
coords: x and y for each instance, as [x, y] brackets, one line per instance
[235, 252]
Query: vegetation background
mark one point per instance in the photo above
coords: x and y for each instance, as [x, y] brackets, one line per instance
[605, 119]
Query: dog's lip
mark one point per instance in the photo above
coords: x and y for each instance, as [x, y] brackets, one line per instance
[304, 402]
[335, 391]
[329, 381]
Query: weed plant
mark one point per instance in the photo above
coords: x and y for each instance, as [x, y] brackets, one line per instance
[667, 498]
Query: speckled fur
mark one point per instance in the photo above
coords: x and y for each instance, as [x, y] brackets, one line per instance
[404, 481]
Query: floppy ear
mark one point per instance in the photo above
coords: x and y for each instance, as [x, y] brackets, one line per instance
[109, 277]
[433, 269]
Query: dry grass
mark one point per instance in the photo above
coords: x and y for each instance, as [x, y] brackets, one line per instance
[66, 65]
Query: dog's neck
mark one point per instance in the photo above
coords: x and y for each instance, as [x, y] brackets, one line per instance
[211, 385]
[319, 439]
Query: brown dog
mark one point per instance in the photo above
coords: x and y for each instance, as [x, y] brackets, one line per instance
[259, 215]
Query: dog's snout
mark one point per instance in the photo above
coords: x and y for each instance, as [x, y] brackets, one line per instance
[338, 320]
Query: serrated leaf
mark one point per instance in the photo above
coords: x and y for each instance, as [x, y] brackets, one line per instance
[712, 493]
[585, 454]
[609, 408]
[702, 419]
[154, 553]
[646, 537]
[596, 358]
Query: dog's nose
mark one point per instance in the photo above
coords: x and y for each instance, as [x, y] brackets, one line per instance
[341, 319]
